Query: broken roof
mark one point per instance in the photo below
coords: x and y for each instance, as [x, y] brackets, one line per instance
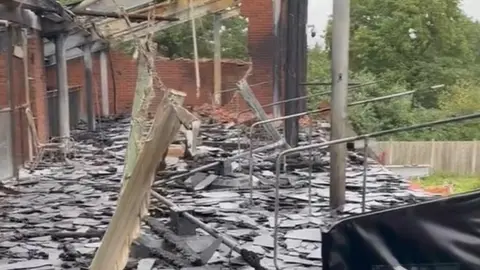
[117, 29]
[61, 213]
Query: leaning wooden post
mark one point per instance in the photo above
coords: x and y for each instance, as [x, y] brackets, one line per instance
[249, 97]
[136, 130]
[125, 224]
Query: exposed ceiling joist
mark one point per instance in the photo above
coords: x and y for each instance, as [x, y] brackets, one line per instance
[76, 52]
[118, 29]
[72, 41]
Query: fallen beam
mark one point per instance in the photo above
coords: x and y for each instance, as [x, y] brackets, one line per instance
[119, 30]
[132, 17]
[144, 79]
[249, 97]
[250, 257]
[125, 224]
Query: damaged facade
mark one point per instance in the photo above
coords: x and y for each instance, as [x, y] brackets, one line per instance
[61, 211]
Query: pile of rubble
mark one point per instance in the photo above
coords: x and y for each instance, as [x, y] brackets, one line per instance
[58, 218]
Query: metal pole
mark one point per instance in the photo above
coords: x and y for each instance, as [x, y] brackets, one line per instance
[310, 168]
[309, 96]
[338, 153]
[285, 101]
[250, 257]
[104, 83]
[290, 72]
[87, 61]
[11, 98]
[365, 170]
[216, 163]
[62, 86]
[276, 57]
[339, 141]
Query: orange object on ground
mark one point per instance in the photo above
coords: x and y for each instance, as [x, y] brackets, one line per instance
[444, 190]
[176, 150]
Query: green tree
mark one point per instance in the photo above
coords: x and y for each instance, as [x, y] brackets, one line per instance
[419, 42]
[177, 41]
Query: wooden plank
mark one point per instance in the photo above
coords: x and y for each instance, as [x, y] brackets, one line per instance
[217, 60]
[125, 224]
[141, 91]
[249, 97]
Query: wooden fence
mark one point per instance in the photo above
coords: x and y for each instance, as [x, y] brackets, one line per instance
[459, 157]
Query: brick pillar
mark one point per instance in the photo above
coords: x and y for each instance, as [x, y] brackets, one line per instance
[260, 44]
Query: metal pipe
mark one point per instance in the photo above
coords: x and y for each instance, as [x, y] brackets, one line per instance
[344, 140]
[325, 93]
[365, 170]
[285, 101]
[325, 83]
[216, 163]
[225, 239]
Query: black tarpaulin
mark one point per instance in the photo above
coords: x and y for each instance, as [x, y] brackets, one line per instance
[442, 234]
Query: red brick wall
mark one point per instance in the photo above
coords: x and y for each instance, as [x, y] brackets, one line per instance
[37, 95]
[176, 74]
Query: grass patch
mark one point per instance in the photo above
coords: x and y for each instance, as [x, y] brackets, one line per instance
[459, 183]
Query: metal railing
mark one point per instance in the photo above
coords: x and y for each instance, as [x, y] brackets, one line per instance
[355, 103]
[365, 164]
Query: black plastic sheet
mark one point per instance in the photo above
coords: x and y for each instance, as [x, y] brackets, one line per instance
[442, 234]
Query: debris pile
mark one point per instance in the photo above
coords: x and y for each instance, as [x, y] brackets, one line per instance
[60, 214]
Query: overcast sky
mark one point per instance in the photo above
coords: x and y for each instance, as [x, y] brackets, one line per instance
[320, 10]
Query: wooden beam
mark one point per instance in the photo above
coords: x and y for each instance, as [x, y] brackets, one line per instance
[144, 80]
[125, 224]
[20, 16]
[249, 97]
[118, 29]
[131, 17]
[73, 41]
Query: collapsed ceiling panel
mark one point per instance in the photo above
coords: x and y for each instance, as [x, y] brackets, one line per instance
[181, 9]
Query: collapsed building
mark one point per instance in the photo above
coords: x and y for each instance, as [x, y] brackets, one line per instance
[223, 208]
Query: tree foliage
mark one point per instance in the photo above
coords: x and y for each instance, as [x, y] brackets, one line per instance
[412, 45]
[177, 41]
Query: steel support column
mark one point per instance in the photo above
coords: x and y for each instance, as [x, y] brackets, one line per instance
[104, 83]
[62, 86]
[89, 101]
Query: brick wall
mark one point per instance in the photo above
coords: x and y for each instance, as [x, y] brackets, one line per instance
[34, 60]
[176, 74]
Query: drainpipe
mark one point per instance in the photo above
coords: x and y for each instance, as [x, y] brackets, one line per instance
[11, 95]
